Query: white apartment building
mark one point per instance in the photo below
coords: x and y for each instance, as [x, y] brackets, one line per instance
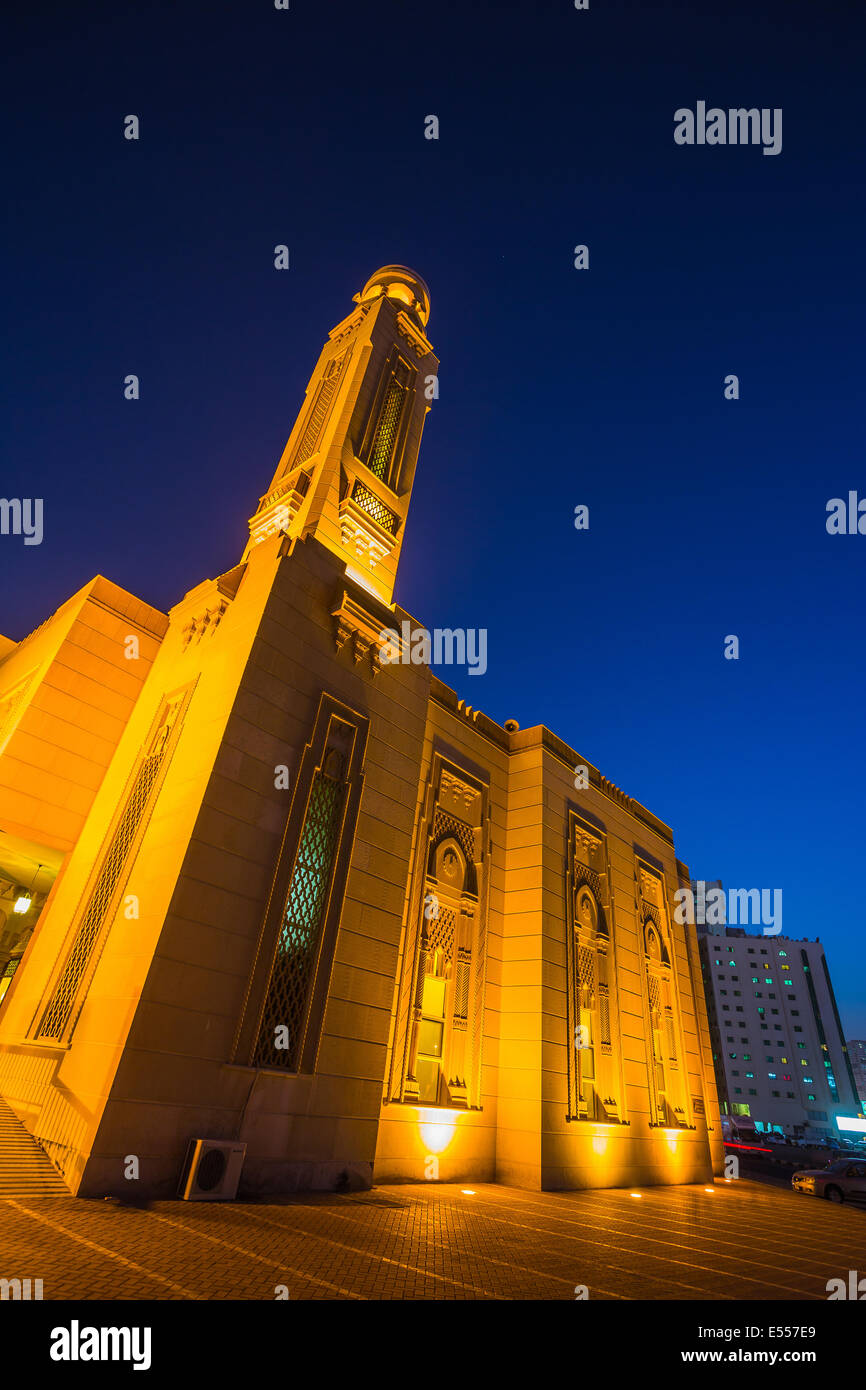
[778, 1045]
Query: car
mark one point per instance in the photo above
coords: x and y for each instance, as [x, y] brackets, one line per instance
[841, 1180]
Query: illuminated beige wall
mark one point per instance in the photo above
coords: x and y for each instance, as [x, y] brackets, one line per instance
[522, 1134]
[149, 1064]
[155, 1055]
[73, 689]
[412, 1136]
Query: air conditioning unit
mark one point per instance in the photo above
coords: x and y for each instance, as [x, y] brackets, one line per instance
[212, 1170]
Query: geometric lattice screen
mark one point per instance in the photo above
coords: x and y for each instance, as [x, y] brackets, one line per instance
[382, 448]
[58, 1012]
[301, 926]
[324, 396]
[370, 503]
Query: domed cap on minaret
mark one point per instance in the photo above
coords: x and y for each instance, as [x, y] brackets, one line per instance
[401, 283]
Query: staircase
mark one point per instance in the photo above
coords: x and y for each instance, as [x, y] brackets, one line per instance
[25, 1169]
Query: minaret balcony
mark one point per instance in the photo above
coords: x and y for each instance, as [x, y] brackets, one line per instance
[278, 510]
[367, 526]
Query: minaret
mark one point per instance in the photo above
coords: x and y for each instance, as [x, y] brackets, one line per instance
[346, 473]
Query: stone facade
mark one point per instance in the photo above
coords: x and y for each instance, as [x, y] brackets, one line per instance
[307, 899]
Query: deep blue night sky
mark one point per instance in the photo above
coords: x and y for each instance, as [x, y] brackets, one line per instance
[558, 387]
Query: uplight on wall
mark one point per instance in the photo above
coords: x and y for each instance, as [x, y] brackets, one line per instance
[436, 1128]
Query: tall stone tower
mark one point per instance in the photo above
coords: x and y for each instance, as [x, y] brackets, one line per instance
[312, 903]
[346, 472]
[235, 881]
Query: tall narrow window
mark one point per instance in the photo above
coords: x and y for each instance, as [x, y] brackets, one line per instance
[288, 988]
[594, 1079]
[592, 1040]
[436, 1057]
[114, 869]
[301, 922]
[666, 1079]
[6, 977]
[385, 434]
[322, 402]
[434, 989]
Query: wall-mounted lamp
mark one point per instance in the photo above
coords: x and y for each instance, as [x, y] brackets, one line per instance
[25, 899]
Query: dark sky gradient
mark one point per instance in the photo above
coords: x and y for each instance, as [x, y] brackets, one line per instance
[557, 386]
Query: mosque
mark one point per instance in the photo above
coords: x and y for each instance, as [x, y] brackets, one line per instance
[272, 889]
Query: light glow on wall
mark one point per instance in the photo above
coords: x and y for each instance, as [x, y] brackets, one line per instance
[437, 1128]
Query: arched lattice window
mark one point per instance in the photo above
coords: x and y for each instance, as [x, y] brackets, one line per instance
[595, 1086]
[664, 1064]
[436, 1058]
[442, 996]
[592, 1005]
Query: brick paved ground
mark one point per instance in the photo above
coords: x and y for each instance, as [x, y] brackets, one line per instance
[743, 1241]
